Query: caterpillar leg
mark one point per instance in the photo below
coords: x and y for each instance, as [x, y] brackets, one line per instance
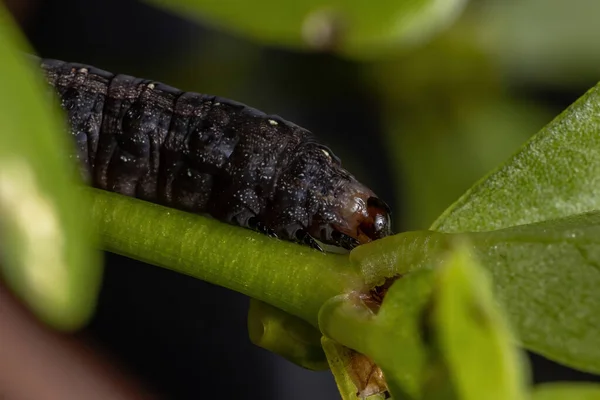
[259, 226]
[296, 232]
[305, 238]
[238, 207]
[343, 240]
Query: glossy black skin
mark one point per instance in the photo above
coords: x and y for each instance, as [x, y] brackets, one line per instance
[207, 154]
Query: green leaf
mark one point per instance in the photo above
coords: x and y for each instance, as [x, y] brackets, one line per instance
[46, 254]
[547, 279]
[352, 28]
[392, 337]
[556, 174]
[570, 391]
[437, 328]
[397, 343]
[546, 276]
[472, 335]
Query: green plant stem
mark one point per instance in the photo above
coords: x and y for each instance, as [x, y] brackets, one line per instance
[294, 278]
[286, 335]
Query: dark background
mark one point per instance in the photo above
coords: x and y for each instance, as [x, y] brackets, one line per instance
[185, 338]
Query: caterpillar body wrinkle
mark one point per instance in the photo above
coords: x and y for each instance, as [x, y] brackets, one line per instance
[207, 154]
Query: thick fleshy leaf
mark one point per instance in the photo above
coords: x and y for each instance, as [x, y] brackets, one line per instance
[47, 253]
[354, 28]
[436, 329]
[556, 174]
[393, 337]
[397, 342]
[546, 276]
[472, 336]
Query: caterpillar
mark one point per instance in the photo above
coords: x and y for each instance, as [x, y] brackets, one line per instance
[207, 154]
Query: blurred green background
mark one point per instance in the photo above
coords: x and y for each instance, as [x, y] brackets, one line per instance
[417, 120]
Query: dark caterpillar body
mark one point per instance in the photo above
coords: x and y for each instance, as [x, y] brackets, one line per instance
[211, 155]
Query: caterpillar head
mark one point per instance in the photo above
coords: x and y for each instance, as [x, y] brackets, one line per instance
[375, 223]
[347, 212]
[355, 216]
